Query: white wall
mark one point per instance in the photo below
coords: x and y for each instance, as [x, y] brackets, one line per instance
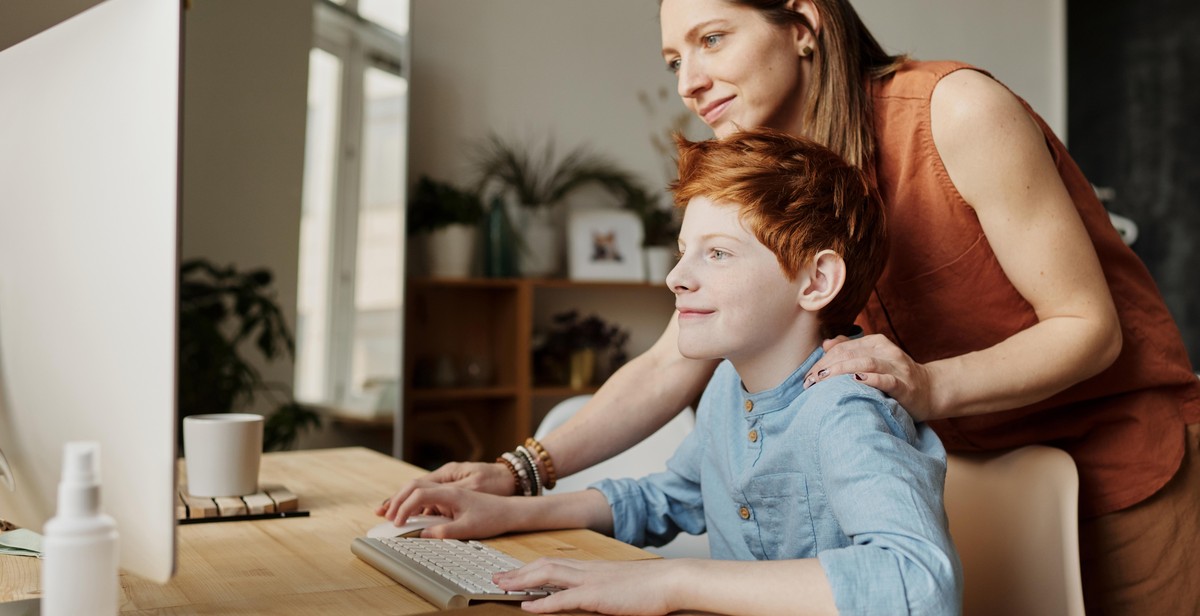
[244, 110]
[567, 69]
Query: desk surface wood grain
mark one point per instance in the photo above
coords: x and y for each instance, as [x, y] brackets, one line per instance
[303, 565]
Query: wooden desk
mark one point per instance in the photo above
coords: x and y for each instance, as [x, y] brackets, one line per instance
[303, 565]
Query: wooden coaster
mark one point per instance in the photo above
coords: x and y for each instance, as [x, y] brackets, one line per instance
[269, 499]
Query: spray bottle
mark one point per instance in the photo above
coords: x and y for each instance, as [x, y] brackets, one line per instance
[79, 563]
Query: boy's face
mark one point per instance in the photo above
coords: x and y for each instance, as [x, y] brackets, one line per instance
[733, 299]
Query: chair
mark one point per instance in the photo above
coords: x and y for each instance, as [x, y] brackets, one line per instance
[1014, 520]
[646, 457]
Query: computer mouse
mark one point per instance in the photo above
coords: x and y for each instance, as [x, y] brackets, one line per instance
[412, 527]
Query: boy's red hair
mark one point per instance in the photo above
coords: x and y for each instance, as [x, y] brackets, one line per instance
[798, 198]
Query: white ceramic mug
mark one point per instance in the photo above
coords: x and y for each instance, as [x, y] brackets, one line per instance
[222, 453]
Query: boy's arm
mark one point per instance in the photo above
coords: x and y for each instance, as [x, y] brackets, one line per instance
[752, 588]
[887, 497]
[654, 509]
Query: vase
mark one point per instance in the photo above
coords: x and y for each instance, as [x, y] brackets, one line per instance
[450, 251]
[500, 257]
[583, 367]
[540, 253]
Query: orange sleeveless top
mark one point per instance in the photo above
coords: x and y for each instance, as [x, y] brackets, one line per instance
[943, 294]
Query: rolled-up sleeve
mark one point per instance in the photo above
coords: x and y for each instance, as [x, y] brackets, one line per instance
[884, 478]
[654, 509]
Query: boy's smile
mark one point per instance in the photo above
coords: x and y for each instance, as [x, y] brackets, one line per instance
[734, 300]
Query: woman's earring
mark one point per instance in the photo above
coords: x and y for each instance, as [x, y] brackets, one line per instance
[805, 51]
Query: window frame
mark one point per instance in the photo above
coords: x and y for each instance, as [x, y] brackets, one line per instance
[359, 44]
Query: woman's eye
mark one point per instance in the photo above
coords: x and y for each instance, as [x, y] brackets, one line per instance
[673, 65]
[712, 40]
[719, 255]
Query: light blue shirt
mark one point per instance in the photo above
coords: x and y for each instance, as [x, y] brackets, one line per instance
[839, 472]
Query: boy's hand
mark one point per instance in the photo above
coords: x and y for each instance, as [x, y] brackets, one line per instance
[878, 362]
[475, 515]
[607, 587]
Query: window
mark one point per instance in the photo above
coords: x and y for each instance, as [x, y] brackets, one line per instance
[350, 296]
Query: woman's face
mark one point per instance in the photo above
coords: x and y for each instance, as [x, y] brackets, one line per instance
[735, 70]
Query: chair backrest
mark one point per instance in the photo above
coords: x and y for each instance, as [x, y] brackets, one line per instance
[1014, 520]
[648, 456]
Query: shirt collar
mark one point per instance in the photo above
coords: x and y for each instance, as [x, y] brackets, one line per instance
[782, 395]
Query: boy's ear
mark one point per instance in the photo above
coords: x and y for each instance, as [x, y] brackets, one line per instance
[821, 280]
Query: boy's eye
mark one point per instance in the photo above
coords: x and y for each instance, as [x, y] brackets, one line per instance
[673, 65]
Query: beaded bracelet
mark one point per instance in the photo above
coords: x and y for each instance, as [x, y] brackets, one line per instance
[512, 469]
[544, 456]
[522, 474]
[532, 461]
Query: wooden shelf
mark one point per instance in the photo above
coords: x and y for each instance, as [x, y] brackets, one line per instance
[454, 321]
[449, 394]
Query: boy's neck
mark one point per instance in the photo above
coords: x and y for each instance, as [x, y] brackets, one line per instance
[766, 368]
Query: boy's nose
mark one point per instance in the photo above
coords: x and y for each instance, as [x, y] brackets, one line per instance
[678, 280]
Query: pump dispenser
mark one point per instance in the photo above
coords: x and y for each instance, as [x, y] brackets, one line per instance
[79, 565]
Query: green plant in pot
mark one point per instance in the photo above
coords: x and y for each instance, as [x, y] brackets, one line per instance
[539, 181]
[223, 313]
[447, 218]
[576, 347]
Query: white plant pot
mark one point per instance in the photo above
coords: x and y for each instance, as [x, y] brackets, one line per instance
[659, 261]
[540, 253]
[450, 251]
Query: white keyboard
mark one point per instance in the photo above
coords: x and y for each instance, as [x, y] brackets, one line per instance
[447, 572]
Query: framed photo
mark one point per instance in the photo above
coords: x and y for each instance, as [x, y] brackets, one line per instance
[604, 245]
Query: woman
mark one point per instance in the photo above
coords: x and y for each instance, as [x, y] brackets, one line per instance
[995, 319]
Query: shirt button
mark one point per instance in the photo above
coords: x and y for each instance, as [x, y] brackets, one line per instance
[754, 436]
[749, 405]
[744, 512]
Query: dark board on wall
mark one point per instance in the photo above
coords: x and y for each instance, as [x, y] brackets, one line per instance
[1134, 125]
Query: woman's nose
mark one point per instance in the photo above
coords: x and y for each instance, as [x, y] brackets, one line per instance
[693, 79]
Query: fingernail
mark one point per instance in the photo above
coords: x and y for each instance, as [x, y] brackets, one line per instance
[859, 377]
[809, 382]
[823, 372]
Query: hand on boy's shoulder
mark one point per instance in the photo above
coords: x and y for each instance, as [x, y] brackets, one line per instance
[843, 403]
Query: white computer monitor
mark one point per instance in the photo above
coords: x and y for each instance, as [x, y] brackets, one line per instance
[89, 150]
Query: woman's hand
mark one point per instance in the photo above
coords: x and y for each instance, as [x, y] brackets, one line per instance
[636, 587]
[475, 515]
[878, 362]
[483, 477]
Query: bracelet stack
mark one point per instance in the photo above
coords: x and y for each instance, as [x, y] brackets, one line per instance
[523, 463]
[544, 456]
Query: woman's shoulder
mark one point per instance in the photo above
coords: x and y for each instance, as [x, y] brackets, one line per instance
[916, 79]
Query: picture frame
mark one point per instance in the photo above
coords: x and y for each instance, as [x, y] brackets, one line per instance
[605, 244]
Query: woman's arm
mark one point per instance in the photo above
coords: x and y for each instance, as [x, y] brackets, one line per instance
[477, 516]
[998, 160]
[638, 399]
[641, 397]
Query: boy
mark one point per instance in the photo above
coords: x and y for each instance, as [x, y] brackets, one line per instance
[833, 490]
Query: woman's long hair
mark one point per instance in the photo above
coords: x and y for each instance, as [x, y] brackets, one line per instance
[837, 105]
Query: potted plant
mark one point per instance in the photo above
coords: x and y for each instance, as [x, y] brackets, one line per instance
[539, 181]
[447, 219]
[575, 346]
[222, 313]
